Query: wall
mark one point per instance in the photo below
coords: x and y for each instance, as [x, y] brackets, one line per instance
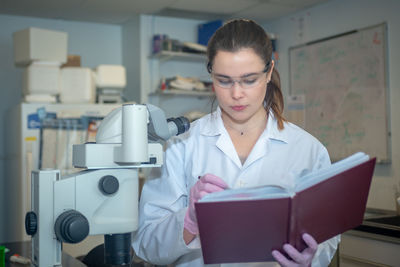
[95, 43]
[335, 17]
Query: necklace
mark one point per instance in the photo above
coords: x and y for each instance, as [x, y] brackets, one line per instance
[242, 132]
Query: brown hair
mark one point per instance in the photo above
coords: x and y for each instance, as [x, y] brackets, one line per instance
[238, 34]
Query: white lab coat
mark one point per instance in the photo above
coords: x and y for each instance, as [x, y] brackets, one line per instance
[207, 148]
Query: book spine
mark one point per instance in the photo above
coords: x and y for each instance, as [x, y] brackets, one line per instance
[292, 222]
[296, 228]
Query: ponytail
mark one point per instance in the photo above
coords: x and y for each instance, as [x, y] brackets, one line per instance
[274, 99]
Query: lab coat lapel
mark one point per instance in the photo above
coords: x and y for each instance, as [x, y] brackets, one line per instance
[271, 132]
[259, 150]
[224, 143]
[215, 127]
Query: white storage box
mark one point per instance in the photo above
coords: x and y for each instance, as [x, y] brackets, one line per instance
[110, 76]
[33, 44]
[41, 78]
[77, 85]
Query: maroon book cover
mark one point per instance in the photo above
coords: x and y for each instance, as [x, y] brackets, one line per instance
[333, 206]
[248, 230]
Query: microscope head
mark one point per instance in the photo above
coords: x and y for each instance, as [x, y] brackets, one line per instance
[129, 136]
[159, 128]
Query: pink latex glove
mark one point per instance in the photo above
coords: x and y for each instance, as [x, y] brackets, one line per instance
[206, 184]
[302, 259]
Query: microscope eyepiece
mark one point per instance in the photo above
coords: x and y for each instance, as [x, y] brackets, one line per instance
[182, 124]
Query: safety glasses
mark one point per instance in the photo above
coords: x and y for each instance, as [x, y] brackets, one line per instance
[245, 82]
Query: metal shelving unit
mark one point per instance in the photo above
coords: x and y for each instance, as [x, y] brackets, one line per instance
[181, 56]
[172, 92]
[164, 56]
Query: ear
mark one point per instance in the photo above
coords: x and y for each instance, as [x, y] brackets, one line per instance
[269, 74]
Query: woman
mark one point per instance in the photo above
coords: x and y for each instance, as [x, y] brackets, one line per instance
[246, 142]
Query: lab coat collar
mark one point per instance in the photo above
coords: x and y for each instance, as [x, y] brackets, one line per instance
[214, 125]
[272, 131]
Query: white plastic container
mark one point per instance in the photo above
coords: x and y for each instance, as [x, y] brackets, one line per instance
[110, 76]
[40, 98]
[41, 78]
[77, 85]
[35, 44]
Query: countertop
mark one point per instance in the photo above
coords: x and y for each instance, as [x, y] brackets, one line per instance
[379, 225]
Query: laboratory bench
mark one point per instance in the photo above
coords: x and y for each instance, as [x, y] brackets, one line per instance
[376, 242]
[24, 248]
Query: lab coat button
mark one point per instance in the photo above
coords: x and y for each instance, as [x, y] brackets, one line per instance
[241, 183]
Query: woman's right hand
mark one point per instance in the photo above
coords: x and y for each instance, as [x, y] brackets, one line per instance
[206, 184]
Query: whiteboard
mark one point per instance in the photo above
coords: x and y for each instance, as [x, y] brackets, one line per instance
[342, 80]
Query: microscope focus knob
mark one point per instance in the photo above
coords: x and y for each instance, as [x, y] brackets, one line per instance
[71, 227]
[108, 185]
[30, 223]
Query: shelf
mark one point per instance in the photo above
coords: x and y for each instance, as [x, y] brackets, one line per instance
[181, 56]
[183, 93]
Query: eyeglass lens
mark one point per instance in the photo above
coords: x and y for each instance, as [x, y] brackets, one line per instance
[244, 82]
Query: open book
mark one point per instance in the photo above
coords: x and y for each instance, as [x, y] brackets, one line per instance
[245, 225]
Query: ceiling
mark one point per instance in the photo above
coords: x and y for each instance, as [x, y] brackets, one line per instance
[120, 11]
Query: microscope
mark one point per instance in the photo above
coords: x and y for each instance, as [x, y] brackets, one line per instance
[102, 199]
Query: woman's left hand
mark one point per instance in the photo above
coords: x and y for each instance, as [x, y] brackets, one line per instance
[298, 259]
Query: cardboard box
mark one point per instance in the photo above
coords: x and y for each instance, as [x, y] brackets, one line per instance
[72, 61]
[35, 44]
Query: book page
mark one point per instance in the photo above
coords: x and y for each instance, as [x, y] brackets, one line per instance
[302, 181]
[316, 176]
[260, 192]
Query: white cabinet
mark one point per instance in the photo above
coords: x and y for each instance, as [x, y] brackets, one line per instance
[363, 249]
